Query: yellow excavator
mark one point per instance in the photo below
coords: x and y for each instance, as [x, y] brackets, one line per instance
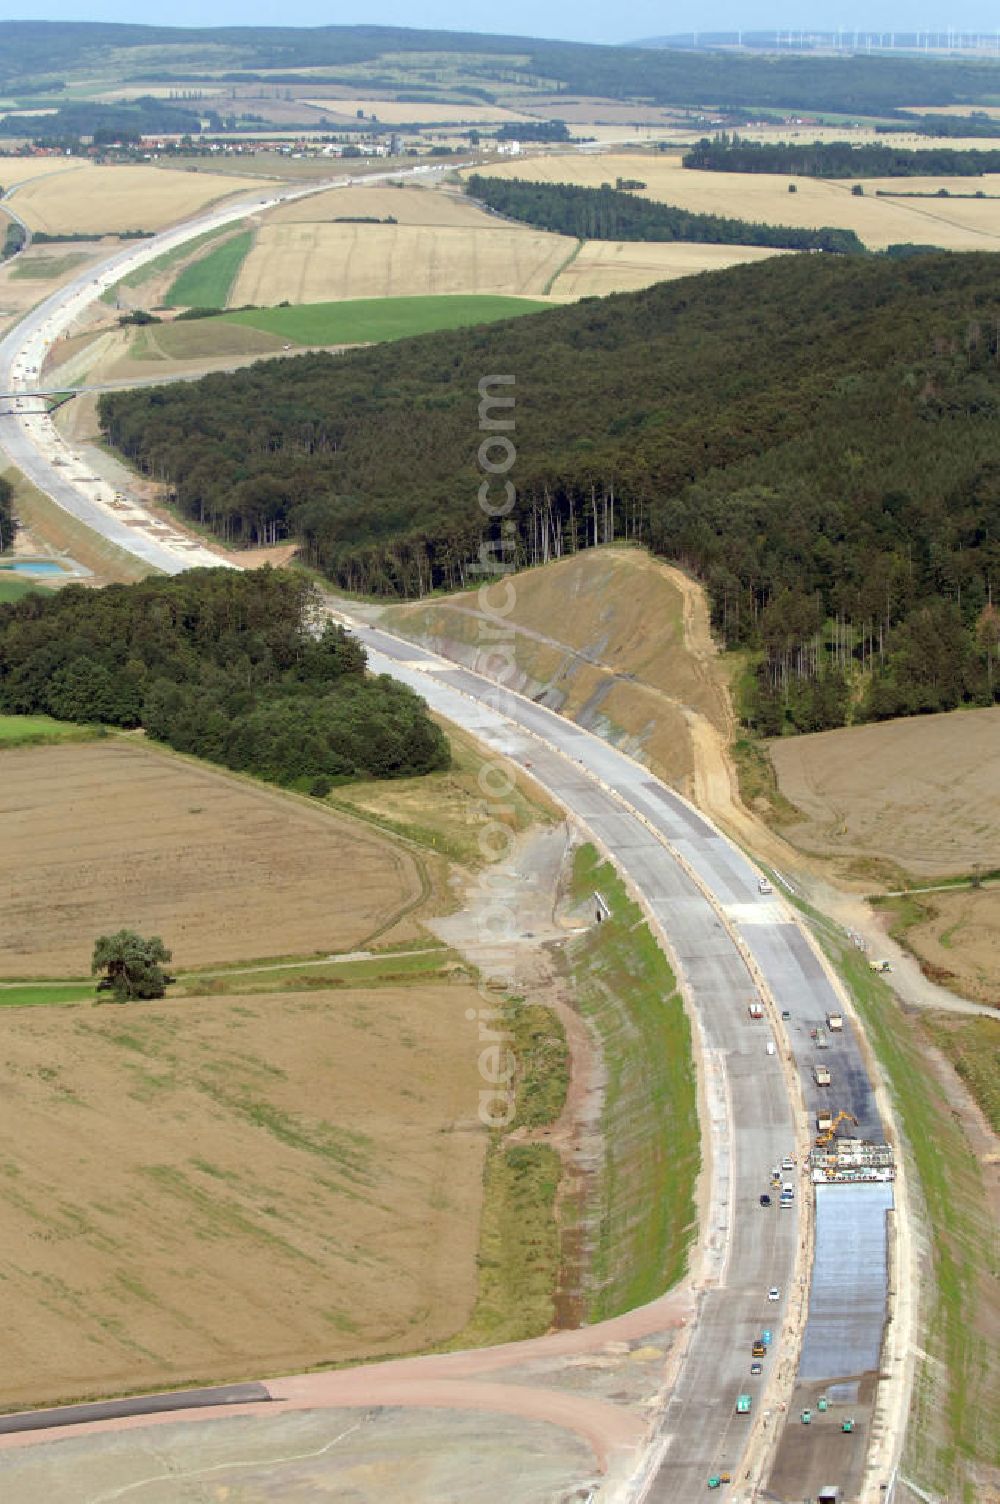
[830, 1133]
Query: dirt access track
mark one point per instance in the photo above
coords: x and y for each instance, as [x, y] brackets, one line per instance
[222, 868]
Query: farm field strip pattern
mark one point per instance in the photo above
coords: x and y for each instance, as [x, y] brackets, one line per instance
[955, 225]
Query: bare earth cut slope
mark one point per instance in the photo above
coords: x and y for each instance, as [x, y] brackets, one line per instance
[611, 637]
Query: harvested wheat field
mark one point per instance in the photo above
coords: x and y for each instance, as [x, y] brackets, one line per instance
[409, 205]
[119, 198]
[114, 833]
[605, 266]
[921, 793]
[613, 638]
[15, 170]
[313, 263]
[966, 224]
[188, 1194]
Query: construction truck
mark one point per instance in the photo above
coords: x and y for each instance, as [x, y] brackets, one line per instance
[829, 1133]
[835, 1022]
[824, 1120]
[821, 1075]
[755, 1008]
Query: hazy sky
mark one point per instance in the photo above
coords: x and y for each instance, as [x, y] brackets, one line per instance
[586, 22]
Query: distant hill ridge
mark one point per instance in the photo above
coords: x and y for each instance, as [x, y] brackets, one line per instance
[40, 50]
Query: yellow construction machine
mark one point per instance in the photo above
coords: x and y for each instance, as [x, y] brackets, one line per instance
[830, 1134]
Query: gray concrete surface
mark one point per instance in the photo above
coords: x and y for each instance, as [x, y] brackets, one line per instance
[847, 1301]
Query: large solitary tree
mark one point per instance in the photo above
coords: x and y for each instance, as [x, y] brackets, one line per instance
[132, 966]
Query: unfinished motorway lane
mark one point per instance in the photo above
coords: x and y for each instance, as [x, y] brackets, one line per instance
[703, 895]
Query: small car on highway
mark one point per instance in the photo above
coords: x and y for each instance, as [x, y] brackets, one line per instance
[765, 1200]
[756, 1368]
[774, 1293]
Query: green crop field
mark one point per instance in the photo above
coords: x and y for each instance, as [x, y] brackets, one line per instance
[206, 282]
[369, 320]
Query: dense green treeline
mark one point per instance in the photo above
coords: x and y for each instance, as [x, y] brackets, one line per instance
[103, 122]
[228, 665]
[33, 50]
[606, 213]
[837, 159]
[976, 124]
[815, 437]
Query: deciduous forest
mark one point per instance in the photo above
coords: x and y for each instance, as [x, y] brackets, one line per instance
[228, 665]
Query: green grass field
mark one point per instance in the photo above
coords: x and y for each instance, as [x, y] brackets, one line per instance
[12, 588]
[24, 730]
[44, 994]
[361, 321]
[206, 282]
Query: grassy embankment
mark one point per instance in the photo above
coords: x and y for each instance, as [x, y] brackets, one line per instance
[955, 1421]
[442, 812]
[51, 525]
[640, 1216]
[973, 1047]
